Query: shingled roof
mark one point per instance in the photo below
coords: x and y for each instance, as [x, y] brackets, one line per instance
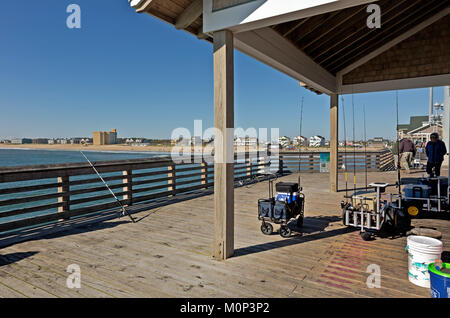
[414, 123]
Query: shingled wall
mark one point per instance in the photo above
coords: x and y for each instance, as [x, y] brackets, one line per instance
[426, 53]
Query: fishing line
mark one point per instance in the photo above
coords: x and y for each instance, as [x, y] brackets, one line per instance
[124, 211]
[398, 148]
[365, 142]
[344, 159]
[354, 149]
[300, 142]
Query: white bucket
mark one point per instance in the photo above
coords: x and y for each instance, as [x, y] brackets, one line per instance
[422, 251]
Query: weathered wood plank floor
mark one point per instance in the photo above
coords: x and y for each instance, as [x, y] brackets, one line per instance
[167, 254]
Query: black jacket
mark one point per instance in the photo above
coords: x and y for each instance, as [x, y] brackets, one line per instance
[436, 151]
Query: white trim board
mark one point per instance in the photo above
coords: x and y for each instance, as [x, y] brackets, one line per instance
[410, 83]
[263, 13]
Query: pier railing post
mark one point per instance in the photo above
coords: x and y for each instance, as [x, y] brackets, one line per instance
[128, 186]
[64, 189]
[280, 164]
[249, 166]
[204, 173]
[172, 180]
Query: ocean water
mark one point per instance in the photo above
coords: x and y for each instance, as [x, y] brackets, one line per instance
[24, 157]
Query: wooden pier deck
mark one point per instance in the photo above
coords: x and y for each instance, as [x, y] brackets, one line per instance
[167, 253]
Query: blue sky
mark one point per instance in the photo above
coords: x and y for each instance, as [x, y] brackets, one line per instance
[135, 73]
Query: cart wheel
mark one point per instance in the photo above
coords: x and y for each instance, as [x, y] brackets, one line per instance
[300, 221]
[267, 228]
[285, 231]
[412, 210]
[366, 236]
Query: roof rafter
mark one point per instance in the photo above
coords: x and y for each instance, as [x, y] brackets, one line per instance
[189, 15]
[372, 52]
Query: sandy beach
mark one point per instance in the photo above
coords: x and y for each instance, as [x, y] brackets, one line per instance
[125, 148]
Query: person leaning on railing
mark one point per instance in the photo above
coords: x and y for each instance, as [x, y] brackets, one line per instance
[435, 150]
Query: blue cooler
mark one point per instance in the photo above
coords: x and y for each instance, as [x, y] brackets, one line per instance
[416, 191]
[439, 281]
[287, 197]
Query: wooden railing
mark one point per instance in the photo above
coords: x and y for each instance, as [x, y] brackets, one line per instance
[36, 195]
[358, 160]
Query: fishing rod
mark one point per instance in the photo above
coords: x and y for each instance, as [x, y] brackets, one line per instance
[398, 148]
[354, 148]
[124, 211]
[345, 149]
[300, 141]
[365, 142]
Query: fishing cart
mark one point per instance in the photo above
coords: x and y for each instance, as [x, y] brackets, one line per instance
[373, 215]
[288, 204]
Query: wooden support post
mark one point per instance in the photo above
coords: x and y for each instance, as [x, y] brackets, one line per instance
[172, 180]
[128, 187]
[224, 148]
[65, 196]
[334, 141]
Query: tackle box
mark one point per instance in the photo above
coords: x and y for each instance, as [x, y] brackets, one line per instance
[286, 187]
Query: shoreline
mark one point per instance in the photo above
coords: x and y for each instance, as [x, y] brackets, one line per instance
[105, 148]
[145, 149]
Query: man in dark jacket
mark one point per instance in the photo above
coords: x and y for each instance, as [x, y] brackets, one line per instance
[435, 150]
[407, 151]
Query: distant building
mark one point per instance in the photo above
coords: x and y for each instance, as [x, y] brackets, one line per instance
[5, 141]
[105, 137]
[246, 141]
[284, 141]
[21, 141]
[378, 141]
[419, 129]
[316, 141]
[41, 141]
[300, 141]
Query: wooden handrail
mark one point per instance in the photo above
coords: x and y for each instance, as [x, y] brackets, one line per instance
[360, 160]
[63, 191]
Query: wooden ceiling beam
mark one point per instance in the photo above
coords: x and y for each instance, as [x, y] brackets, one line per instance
[347, 31]
[269, 47]
[366, 52]
[324, 30]
[343, 30]
[387, 16]
[294, 26]
[189, 15]
[313, 24]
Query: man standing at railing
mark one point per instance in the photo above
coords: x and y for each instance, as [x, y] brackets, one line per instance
[407, 151]
[435, 152]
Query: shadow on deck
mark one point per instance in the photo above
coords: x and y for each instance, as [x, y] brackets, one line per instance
[167, 253]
